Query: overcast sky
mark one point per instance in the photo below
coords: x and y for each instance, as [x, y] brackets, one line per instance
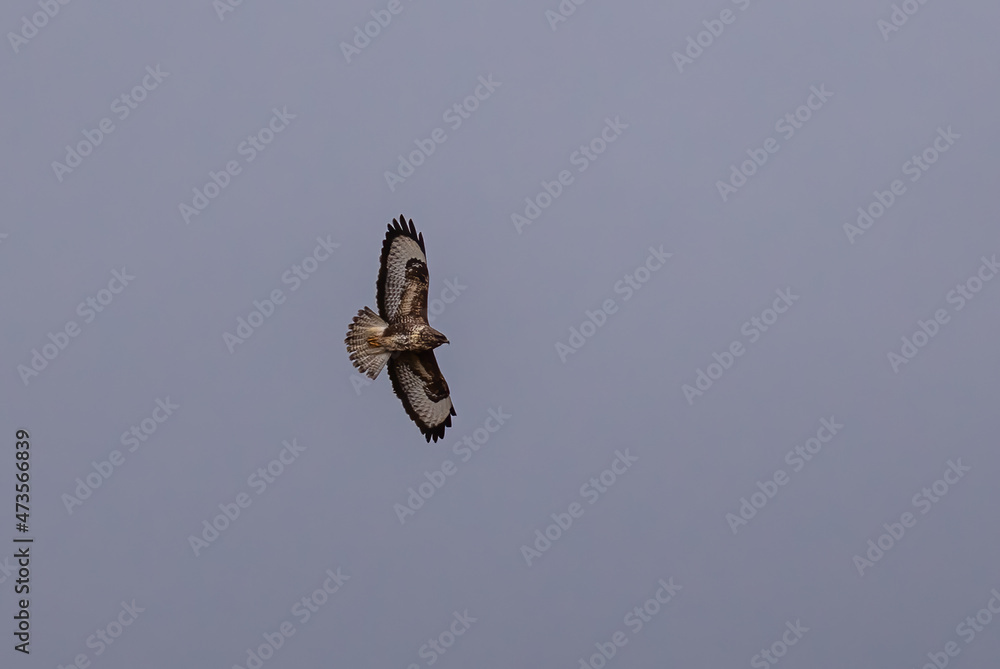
[718, 279]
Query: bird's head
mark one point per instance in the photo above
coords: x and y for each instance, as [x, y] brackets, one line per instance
[435, 338]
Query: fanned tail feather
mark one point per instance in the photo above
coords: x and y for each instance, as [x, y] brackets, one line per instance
[367, 358]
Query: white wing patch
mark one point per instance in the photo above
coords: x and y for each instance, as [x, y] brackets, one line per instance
[401, 251]
[417, 381]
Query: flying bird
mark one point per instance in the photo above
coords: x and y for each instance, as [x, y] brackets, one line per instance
[400, 335]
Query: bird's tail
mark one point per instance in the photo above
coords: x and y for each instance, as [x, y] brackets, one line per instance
[366, 357]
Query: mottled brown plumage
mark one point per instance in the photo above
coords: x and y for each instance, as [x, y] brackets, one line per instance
[400, 336]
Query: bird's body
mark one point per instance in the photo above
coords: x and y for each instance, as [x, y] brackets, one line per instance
[400, 336]
[409, 336]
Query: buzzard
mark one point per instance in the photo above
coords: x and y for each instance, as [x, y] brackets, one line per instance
[400, 335]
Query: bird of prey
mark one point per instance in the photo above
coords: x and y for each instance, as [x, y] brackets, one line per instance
[400, 335]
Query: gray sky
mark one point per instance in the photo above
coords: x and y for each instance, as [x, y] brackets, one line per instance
[764, 420]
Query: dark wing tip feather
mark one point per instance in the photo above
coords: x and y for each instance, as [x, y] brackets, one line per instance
[436, 432]
[402, 227]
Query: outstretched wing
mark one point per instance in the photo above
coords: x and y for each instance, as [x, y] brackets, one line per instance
[401, 289]
[417, 381]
